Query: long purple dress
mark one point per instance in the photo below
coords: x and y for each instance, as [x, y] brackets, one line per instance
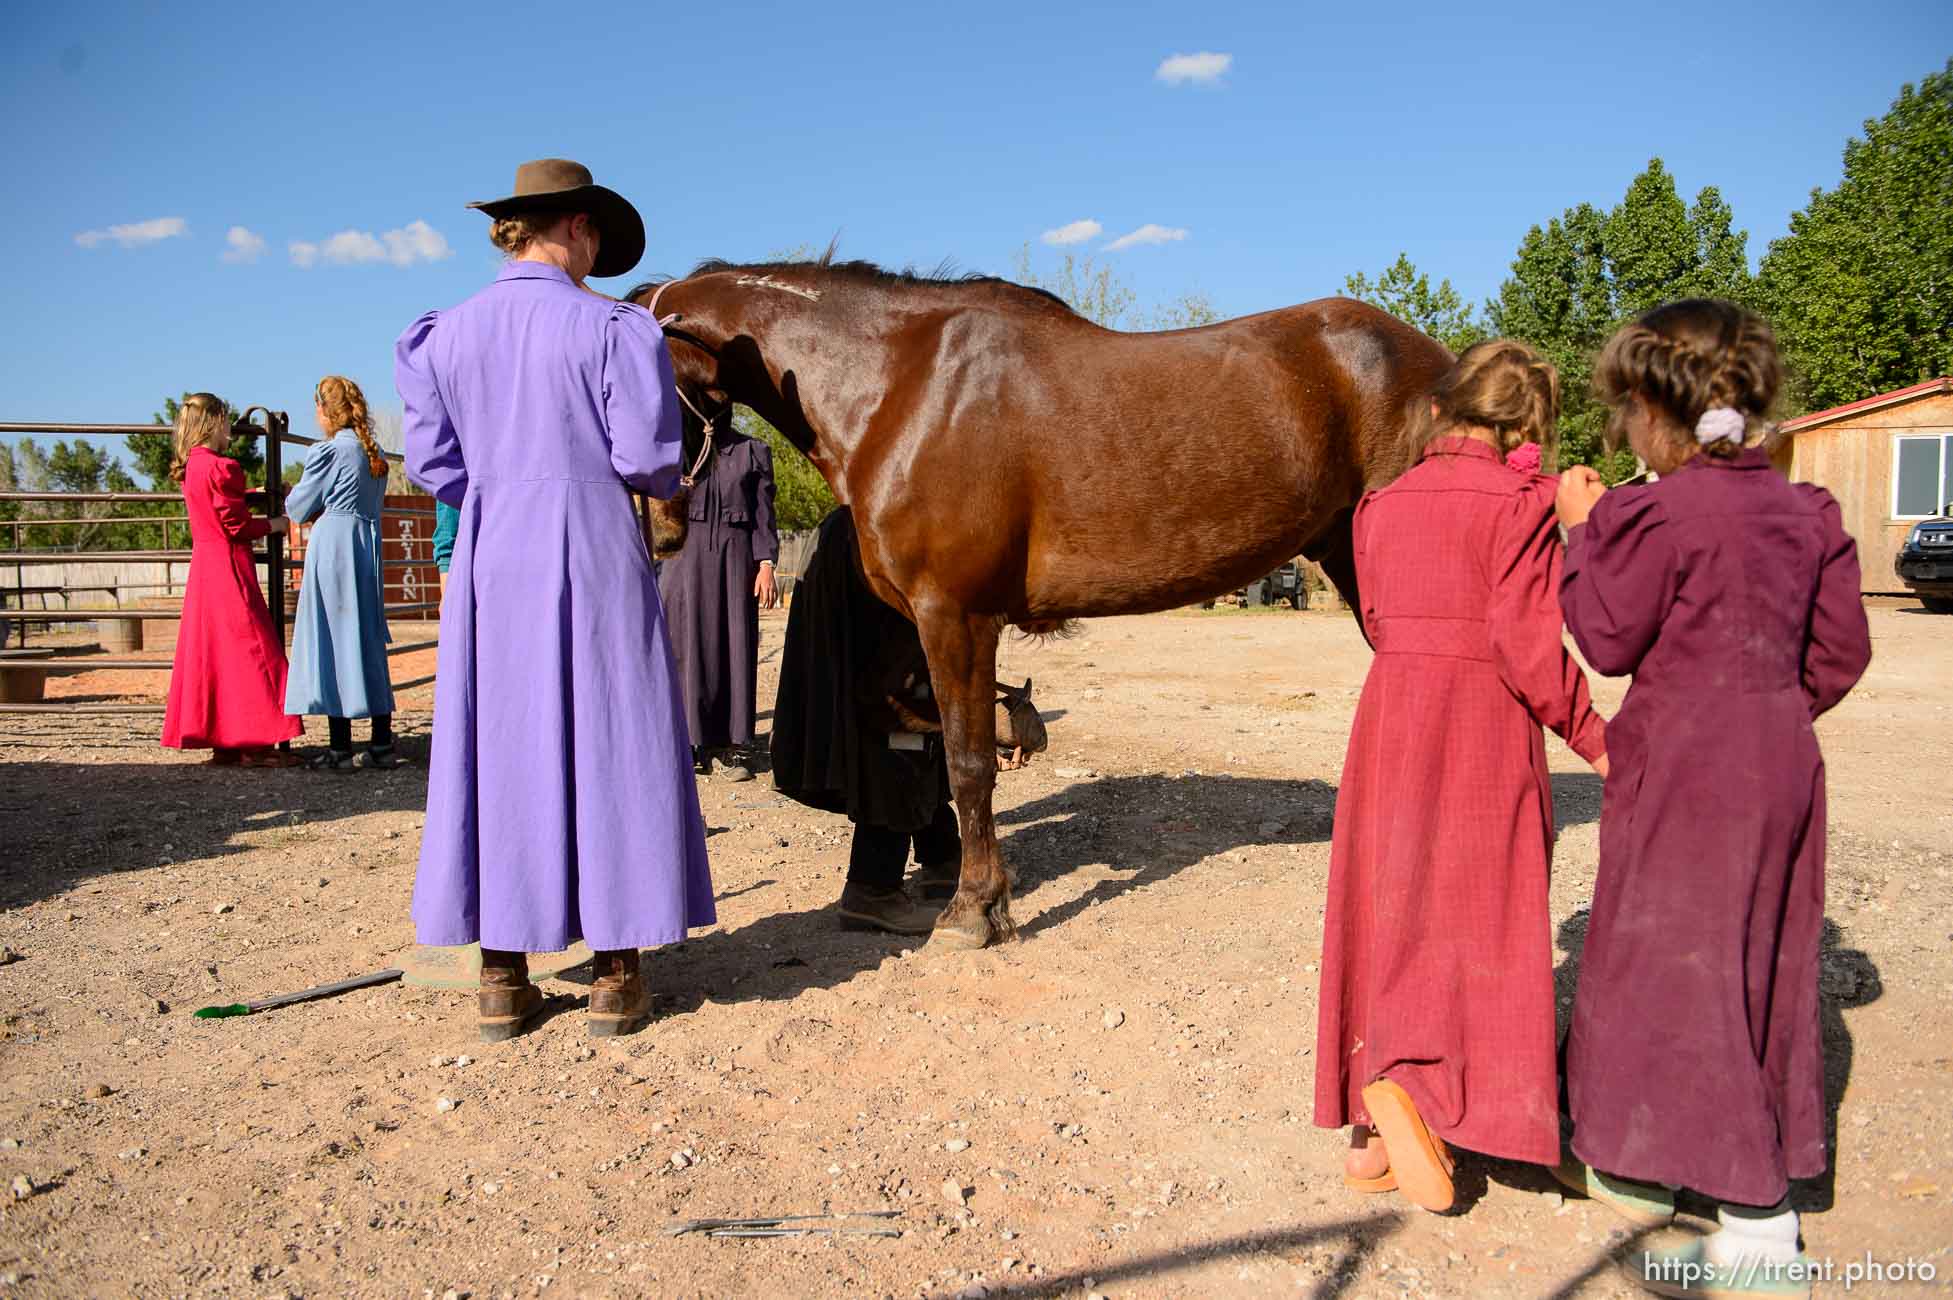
[1732, 596]
[708, 592]
[561, 803]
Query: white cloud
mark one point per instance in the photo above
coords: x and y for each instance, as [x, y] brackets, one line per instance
[244, 245]
[1076, 232]
[137, 233]
[415, 242]
[1147, 234]
[1202, 69]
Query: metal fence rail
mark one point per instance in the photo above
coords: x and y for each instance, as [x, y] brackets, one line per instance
[273, 428]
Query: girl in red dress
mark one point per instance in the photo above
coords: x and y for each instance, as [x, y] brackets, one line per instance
[227, 689]
[1695, 1058]
[1436, 1013]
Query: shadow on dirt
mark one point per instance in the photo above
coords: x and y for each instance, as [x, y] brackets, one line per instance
[65, 823]
[1338, 1253]
[1144, 828]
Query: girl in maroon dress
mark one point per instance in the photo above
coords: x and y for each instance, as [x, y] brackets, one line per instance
[1436, 1014]
[1732, 597]
[227, 688]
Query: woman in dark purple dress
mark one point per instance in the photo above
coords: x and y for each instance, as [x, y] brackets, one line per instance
[1732, 597]
[713, 591]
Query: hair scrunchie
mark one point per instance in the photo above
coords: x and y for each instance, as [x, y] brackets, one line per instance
[1720, 424]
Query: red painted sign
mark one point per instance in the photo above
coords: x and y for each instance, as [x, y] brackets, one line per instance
[406, 554]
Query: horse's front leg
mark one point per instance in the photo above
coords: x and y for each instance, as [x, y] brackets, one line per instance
[962, 650]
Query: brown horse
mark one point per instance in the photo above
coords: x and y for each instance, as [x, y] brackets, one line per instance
[1011, 463]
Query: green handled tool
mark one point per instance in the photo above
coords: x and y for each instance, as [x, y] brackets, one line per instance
[303, 995]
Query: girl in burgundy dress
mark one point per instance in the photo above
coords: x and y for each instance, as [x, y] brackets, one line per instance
[227, 689]
[1436, 1014]
[1732, 597]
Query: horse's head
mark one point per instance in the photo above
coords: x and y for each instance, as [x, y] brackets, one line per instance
[695, 366]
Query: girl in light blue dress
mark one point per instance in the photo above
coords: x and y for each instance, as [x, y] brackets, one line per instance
[339, 639]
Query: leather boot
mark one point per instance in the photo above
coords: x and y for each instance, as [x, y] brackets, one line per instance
[619, 1000]
[937, 882]
[893, 912]
[507, 1001]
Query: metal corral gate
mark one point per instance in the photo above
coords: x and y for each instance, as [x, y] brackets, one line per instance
[274, 430]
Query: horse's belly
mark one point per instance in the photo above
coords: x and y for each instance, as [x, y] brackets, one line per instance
[1142, 577]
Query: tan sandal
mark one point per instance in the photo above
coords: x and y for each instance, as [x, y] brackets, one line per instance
[1419, 1161]
[1387, 1180]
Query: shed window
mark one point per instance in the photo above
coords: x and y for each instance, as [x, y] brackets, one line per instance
[1922, 476]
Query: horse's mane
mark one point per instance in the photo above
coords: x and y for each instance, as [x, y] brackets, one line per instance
[860, 272]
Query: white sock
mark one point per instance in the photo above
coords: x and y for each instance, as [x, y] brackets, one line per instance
[1753, 1232]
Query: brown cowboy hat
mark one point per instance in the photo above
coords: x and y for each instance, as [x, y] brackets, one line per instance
[559, 185]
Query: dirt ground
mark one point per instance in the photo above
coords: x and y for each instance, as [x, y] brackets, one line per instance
[1118, 1104]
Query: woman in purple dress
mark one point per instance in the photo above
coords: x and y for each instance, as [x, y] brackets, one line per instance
[560, 798]
[1732, 597]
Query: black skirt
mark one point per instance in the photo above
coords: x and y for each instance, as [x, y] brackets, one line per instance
[830, 748]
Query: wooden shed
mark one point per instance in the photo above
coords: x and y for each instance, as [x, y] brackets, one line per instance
[1887, 459]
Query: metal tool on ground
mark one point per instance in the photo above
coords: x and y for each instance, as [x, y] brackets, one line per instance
[792, 1225]
[303, 995]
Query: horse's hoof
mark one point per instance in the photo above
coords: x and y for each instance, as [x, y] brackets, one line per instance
[959, 936]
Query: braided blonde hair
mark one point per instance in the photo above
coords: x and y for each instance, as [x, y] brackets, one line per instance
[202, 421]
[1505, 386]
[1686, 357]
[345, 408]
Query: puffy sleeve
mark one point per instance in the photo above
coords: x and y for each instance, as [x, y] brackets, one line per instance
[1840, 643]
[1528, 639]
[766, 528]
[308, 496]
[1620, 579]
[640, 400]
[433, 452]
[227, 488]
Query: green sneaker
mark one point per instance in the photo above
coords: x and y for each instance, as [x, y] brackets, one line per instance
[1689, 1274]
[1645, 1205]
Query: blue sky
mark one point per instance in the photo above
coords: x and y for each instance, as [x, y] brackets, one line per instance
[138, 136]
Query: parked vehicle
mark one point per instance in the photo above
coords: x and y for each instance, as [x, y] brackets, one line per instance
[1284, 584]
[1925, 562]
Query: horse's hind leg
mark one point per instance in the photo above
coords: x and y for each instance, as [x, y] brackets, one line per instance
[962, 650]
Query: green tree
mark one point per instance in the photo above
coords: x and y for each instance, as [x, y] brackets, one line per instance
[801, 497]
[1576, 279]
[1406, 293]
[1861, 288]
[1098, 293]
[1559, 299]
[9, 482]
[1650, 246]
[1189, 311]
[82, 468]
[153, 452]
[1722, 259]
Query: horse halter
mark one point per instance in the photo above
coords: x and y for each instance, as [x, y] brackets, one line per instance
[710, 422]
